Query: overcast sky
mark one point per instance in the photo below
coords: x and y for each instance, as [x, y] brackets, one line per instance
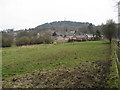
[20, 14]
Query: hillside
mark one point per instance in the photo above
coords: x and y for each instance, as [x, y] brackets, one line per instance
[59, 26]
[60, 23]
[65, 26]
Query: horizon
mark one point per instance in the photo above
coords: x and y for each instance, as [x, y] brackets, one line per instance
[25, 14]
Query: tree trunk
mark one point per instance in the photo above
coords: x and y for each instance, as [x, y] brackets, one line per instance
[118, 43]
[110, 41]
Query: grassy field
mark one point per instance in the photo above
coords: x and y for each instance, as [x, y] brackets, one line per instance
[21, 60]
[79, 64]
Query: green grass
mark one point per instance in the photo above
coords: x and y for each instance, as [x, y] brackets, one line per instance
[18, 60]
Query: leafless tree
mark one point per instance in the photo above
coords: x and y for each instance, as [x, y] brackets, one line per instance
[109, 30]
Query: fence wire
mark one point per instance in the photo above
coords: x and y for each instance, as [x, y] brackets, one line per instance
[117, 49]
[118, 52]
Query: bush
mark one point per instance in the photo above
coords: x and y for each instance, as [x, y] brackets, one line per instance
[23, 41]
[36, 40]
[7, 42]
[47, 38]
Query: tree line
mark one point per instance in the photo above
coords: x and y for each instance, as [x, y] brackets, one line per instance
[24, 38]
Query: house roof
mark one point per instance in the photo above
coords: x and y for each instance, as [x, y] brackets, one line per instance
[89, 35]
[70, 34]
[81, 36]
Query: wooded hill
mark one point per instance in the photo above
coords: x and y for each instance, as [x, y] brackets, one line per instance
[83, 27]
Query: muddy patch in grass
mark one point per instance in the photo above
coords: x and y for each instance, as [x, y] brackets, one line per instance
[27, 46]
[86, 75]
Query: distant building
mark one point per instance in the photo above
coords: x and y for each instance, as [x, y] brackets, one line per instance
[60, 38]
[72, 32]
[90, 36]
[38, 35]
[82, 37]
[15, 34]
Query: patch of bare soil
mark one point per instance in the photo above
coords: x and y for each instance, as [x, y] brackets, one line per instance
[86, 75]
[27, 46]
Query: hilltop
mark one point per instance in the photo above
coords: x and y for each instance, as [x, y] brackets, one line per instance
[61, 26]
[65, 26]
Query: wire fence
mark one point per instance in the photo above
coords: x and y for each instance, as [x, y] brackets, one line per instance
[118, 53]
[117, 49]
